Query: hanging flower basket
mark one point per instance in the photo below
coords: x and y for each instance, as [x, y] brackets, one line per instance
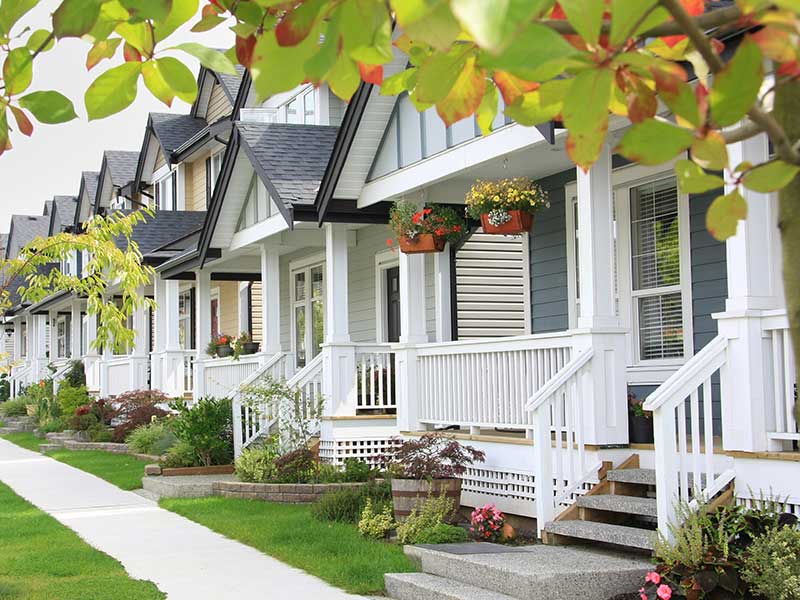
[426, 230]
[507, 206]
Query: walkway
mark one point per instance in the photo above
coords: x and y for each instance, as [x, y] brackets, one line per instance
[184, 559]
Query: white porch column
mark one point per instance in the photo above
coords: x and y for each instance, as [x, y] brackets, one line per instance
[442, 276]
[754, 287]
[138, 353]
[38, 340]
[106, 356]
[172, 356]
[156, 354]
[52, 315]
[202, 313]
[605, 392]
[412, 331]
[270, 301]
[339, 360]
[75, 331]
[91, 359]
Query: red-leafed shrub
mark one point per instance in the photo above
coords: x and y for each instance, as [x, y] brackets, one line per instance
[136, 418]
[134, 409]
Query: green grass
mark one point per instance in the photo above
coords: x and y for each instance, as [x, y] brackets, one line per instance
[335, 552]
[122, 470]
[40, 559]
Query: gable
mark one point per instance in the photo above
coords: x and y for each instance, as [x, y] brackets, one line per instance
[236, 193]
[219, 105]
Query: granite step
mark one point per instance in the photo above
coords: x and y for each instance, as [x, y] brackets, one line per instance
[619, 535]
[645, 507]
[640, 476]
[43, 448]
[536, 572]
[424, 586]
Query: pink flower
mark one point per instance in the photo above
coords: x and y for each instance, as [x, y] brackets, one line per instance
[642, 595]
[653, 577]
[664, 592]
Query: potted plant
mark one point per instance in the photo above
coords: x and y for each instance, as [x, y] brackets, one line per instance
[506, 206]
[425, 230]
[640, 421]
[222, 346]
[425, 467]
[244, 344]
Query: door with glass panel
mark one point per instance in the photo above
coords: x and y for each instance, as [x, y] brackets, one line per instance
[308, 313]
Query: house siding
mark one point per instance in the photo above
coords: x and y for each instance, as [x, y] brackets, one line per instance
[196, 185]
[160, 160]
[218, 104]
[228, 307]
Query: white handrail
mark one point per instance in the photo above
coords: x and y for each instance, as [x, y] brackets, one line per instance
[249, 426]
[559, 379]
[307, 373]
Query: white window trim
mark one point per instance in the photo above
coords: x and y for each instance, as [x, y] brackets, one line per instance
[384, 260]
[640, 371]
[305, 263]
[62, 319]
[158, 177]
[214, 295]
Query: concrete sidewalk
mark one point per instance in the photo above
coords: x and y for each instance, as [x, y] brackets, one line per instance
[185, 560]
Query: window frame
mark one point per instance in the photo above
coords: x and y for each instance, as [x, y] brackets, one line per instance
[62, 325]
[306, 265]
[384, 260]
[171, 174]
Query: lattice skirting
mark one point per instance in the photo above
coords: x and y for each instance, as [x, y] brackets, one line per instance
[790, 504]
[369, 450]
[512, 491]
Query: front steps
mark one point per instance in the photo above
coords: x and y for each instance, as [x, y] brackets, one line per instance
[17, 425]
[474, 571]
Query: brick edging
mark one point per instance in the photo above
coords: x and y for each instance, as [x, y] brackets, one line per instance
[289, 493]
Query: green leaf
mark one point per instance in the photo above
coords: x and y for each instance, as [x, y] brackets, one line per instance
[74, 18]
[653, 142]
[494, 24]
[736, 87]
[366, 32]
[155, 82]
[585, 114]
[180, 12]
[178, 77]
[344, 78]
[437, 75]
[537, 54]
[39, 37]
[711, 152]
[113, 91]
[4, 141]
[428, 21]
[625, 14]
[681, 100]
[487, 110]
[210, 59]
[465, 96]
[694, 180]
[100, 50]
[277, 69]
[11, 11]
[138, 35]
[724, 214]
[541, 105]
[399, 82]
[157, 10]
[770, 177]
[112, 14]
[298, 23]
[586, 16]
[17, 71]
[49, 107]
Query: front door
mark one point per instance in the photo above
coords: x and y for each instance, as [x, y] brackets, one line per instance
[308, 313]
[393, 304]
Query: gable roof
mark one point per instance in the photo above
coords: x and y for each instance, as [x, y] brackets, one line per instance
[24, 228]
[118, 168]
[231, 86]
[174, 130]
[164, 228]
[63, 214]
[231, 83]
[89, 188]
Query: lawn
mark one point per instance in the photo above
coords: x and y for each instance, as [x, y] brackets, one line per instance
[122, 470]
[335, 552]
[40, 559]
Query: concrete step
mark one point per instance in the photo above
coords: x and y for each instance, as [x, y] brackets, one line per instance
[631, 505]
[147, 494]
[50, 447]
[620, 535]
[424, 586]
[641, 476]
[59, 435]
[534, 572]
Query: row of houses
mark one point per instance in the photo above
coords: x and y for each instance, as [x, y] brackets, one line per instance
[271, 219]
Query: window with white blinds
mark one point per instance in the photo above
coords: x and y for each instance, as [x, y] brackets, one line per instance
[656, 270]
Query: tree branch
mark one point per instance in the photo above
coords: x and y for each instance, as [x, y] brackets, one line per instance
[743, 132]
[763, 119]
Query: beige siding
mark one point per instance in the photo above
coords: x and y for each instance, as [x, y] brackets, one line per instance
[196, 181]
[188, 183]
[256, 312]
[218, 104]
[229, 307]
[160, 161]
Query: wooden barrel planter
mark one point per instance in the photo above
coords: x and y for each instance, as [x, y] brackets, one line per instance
[408, 494]
[520, 222]
[422, 243]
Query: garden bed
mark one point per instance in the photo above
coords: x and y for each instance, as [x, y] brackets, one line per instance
[287, 493]
[184, 471]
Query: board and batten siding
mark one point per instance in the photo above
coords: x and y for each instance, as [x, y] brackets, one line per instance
[255, 313]
[196, 185]
[491, 291]
[218, 104]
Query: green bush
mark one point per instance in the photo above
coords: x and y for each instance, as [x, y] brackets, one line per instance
[76, 376]
[52, 425]
[442, 534]
[71, 398]
[347, 505]
[297, 466]
[356, 471]
[376, 523]
[772, 568]
[182, 454]
[433, 513]
[5, 387]
[155, 438]
[99, 433]
[14, 408]
[257, 464]
[207, 427]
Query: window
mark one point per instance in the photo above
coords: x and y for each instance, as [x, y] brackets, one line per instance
[308, 312]
[166, 192]
[63, 336]
[23, 339]
[258, 205]
[213, 168]
[186, 319]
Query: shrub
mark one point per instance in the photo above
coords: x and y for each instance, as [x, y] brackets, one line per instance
[297, 466]
[256, 464]
[347, 505]
[52, 425]
[486, 523]
[207, 427]
[442, 534]
[153, 438]
[432, 456]
[76, 376]
[71, 398]
[5, 387]
[376, 523]
[14, 408]
[433, 512]
[134, 409]
[99, 433]
[182, 454]
[137, 418]
[772, 567]
[356, 471]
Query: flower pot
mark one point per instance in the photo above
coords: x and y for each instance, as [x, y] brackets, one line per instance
[250, 347]
[224, 350]
[422, 243]
[640, 429]
[520, 222]
[408, 494]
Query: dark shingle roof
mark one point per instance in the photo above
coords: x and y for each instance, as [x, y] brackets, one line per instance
[63, 212]
[166, 226]
[3, 243]
[48, 208]
[121, 165]
[174, 130]
[24, 228]
[90, 183]
[231, 83]
[292, 157]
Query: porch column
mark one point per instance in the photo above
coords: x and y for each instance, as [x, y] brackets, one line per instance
[106, 356]
[202, 327]
[39, 340]
[339, 357]
[91, 360]
[156, 355]
[605, 392]
[412, 331]
[270, 301]
[52, 315]
[172, 358]
[138, 353]
[754, 287]
[75, 332]
[442, 266]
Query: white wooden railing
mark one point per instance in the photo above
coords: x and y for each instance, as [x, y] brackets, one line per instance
[556, 411]
[62, 366]
[251, 422]
[684, 444]
[375, 378]
[308, 380]
[782, 424]
[188, 371]
[486, 383]
[224, 376]
[118, 375]
[19, 379]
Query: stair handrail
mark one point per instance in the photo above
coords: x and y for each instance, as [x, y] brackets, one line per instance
[236, 402]
[559, 379]
[305, 374]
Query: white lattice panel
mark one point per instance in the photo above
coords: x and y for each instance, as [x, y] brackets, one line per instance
[369, 450]
[512, 491]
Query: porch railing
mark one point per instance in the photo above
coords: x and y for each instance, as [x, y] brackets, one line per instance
[19, 379]
[62, 365]
[487, 383]
[118, 375]
[251, 422]
[375, 378]
[684, 443]
[308, 380]
[224, 376]
[782, 423]
[559, 450]
[188, 372]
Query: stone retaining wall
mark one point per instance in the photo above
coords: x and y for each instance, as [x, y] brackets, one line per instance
[290, 493]
[105, 446]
